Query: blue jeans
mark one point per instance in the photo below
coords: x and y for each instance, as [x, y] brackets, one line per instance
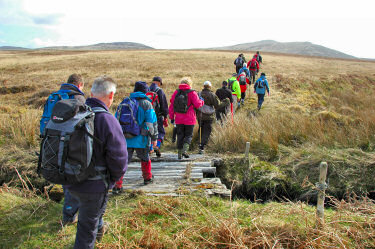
[70, 207]
[260, 100]
[90, 218]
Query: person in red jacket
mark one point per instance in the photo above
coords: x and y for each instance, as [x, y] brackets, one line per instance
[243, 80]
[253, 66]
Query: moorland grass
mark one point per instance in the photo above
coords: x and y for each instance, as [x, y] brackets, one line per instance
[138, 221]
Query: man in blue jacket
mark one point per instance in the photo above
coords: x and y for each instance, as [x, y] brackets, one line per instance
[162, 113]
[112, 154]
[244, 69]
[146, 118]
[260, 87]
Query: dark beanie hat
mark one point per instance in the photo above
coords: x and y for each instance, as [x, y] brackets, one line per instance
[157, 78]
[141, 86]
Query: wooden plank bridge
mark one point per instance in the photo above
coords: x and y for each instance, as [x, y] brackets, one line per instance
[175, 177]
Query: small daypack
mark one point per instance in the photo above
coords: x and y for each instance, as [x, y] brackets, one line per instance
[253, 64]
[261, 84]
[230, 84]
[242, 80]
[180, 104]
[239, 62]
[126, 114]
[66, 150]
[155, 101]
[206, 109]
[50, 103]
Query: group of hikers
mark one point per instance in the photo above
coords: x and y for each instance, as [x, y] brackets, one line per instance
[87, 149]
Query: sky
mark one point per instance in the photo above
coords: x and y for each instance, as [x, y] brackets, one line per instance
[342, 25]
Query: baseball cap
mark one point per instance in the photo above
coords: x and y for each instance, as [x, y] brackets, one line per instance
[207, 83]
[157, 78]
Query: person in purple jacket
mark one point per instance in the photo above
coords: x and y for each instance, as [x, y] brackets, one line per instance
[111, 154]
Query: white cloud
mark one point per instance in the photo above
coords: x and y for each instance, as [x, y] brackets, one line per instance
[340, 25]
[39, 42]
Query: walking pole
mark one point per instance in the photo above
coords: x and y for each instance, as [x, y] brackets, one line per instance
[231, 110]
[200, 130]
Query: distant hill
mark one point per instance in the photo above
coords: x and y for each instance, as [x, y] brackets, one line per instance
[12, 48]
[103, 46]
[300, 48]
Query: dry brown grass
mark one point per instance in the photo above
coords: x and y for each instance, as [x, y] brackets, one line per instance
[292, 78]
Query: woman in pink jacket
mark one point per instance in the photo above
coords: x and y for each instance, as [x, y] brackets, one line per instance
[181, 111]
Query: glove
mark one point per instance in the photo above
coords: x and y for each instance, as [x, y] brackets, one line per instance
[255, 92]
[201, 99]
[165, 122]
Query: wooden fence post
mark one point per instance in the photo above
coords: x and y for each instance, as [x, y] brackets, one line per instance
[321, 186]
[247, 149]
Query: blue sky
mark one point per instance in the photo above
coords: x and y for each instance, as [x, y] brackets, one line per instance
[342, 25]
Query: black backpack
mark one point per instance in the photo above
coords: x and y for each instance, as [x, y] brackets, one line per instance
[261, 84]
[180, 103]
[230, 84]
[67, 148]
[239, 62]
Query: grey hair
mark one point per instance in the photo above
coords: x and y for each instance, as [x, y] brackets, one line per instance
[103, 86]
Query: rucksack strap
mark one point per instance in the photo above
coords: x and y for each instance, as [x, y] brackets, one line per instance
[40, 155]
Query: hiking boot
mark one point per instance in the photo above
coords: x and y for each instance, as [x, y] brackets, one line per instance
[148, 181]
[101, 231]
[201, 150]
[117, 191]
[179, 154]
[186, 155]
[185, 149]
[157, 152]
[70, 222]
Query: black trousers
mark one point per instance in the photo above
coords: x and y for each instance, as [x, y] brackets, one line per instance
[184, 135]
[90, 218]
[243, 95]
[205, 128]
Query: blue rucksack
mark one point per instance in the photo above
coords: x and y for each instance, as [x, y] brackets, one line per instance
[50, 103]
[126, 114]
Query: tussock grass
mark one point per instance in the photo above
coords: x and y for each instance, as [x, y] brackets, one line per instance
[191, 222]
[21, 128]
[338, 118]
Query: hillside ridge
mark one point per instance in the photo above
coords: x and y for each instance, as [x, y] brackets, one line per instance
[300, 48]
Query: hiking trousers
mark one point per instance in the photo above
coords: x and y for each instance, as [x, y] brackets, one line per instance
[235, 102]
[252, 76]
[184, 135]
[90, 218]
[144, 156]
[260, 100]
[205, 128]
[161, 130]
[70, 208]
[243, 95]
[238, 68]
